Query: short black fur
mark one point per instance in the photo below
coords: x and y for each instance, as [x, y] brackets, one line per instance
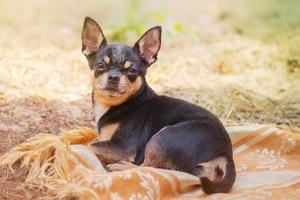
[185, 134]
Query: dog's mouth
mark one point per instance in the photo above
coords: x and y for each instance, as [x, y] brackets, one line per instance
[112, 91]
[110, 88]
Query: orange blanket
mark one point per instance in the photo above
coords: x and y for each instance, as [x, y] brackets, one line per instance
[267, 161]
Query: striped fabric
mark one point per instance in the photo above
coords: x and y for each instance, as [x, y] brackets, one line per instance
[267, 163]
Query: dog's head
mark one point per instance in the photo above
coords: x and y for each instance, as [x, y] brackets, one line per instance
[117, 71]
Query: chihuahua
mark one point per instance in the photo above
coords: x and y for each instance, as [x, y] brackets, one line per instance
[138, 127]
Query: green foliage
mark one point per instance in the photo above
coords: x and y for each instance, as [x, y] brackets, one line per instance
[134, 19]
[270, 22]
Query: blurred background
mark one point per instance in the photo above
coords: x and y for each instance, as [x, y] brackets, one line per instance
[238, 58]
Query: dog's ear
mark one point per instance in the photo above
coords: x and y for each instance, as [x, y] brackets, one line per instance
[149, 44]
[92, 36]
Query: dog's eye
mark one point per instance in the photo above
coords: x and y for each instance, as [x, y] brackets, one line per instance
[100, 67]
[131, 71]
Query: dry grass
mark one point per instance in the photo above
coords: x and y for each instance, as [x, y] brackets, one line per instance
[44, 79]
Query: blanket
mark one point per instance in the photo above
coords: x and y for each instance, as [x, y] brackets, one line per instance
[267, 161]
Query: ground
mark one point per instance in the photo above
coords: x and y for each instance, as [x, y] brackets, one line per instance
[238, 59]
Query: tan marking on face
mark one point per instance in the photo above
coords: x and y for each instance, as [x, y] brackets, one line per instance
[103, 98]
[99, 108]
[210, 166]
[106, 59]
[127, 64]
[107, 131]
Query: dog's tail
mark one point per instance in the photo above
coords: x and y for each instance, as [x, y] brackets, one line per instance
[217, 175]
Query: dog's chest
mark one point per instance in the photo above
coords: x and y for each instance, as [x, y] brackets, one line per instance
[107, 131]
[124, 121]
[99, 111]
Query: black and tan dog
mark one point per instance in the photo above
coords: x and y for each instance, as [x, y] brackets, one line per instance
[138, 127]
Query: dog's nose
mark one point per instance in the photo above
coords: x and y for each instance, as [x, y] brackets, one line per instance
[113, 78]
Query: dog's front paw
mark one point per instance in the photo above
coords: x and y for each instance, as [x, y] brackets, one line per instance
[120, 166]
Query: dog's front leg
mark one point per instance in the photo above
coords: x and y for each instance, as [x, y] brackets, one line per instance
[110, 152]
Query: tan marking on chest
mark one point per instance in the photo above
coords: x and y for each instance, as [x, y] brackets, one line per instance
[99, 111]
[107, 131]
